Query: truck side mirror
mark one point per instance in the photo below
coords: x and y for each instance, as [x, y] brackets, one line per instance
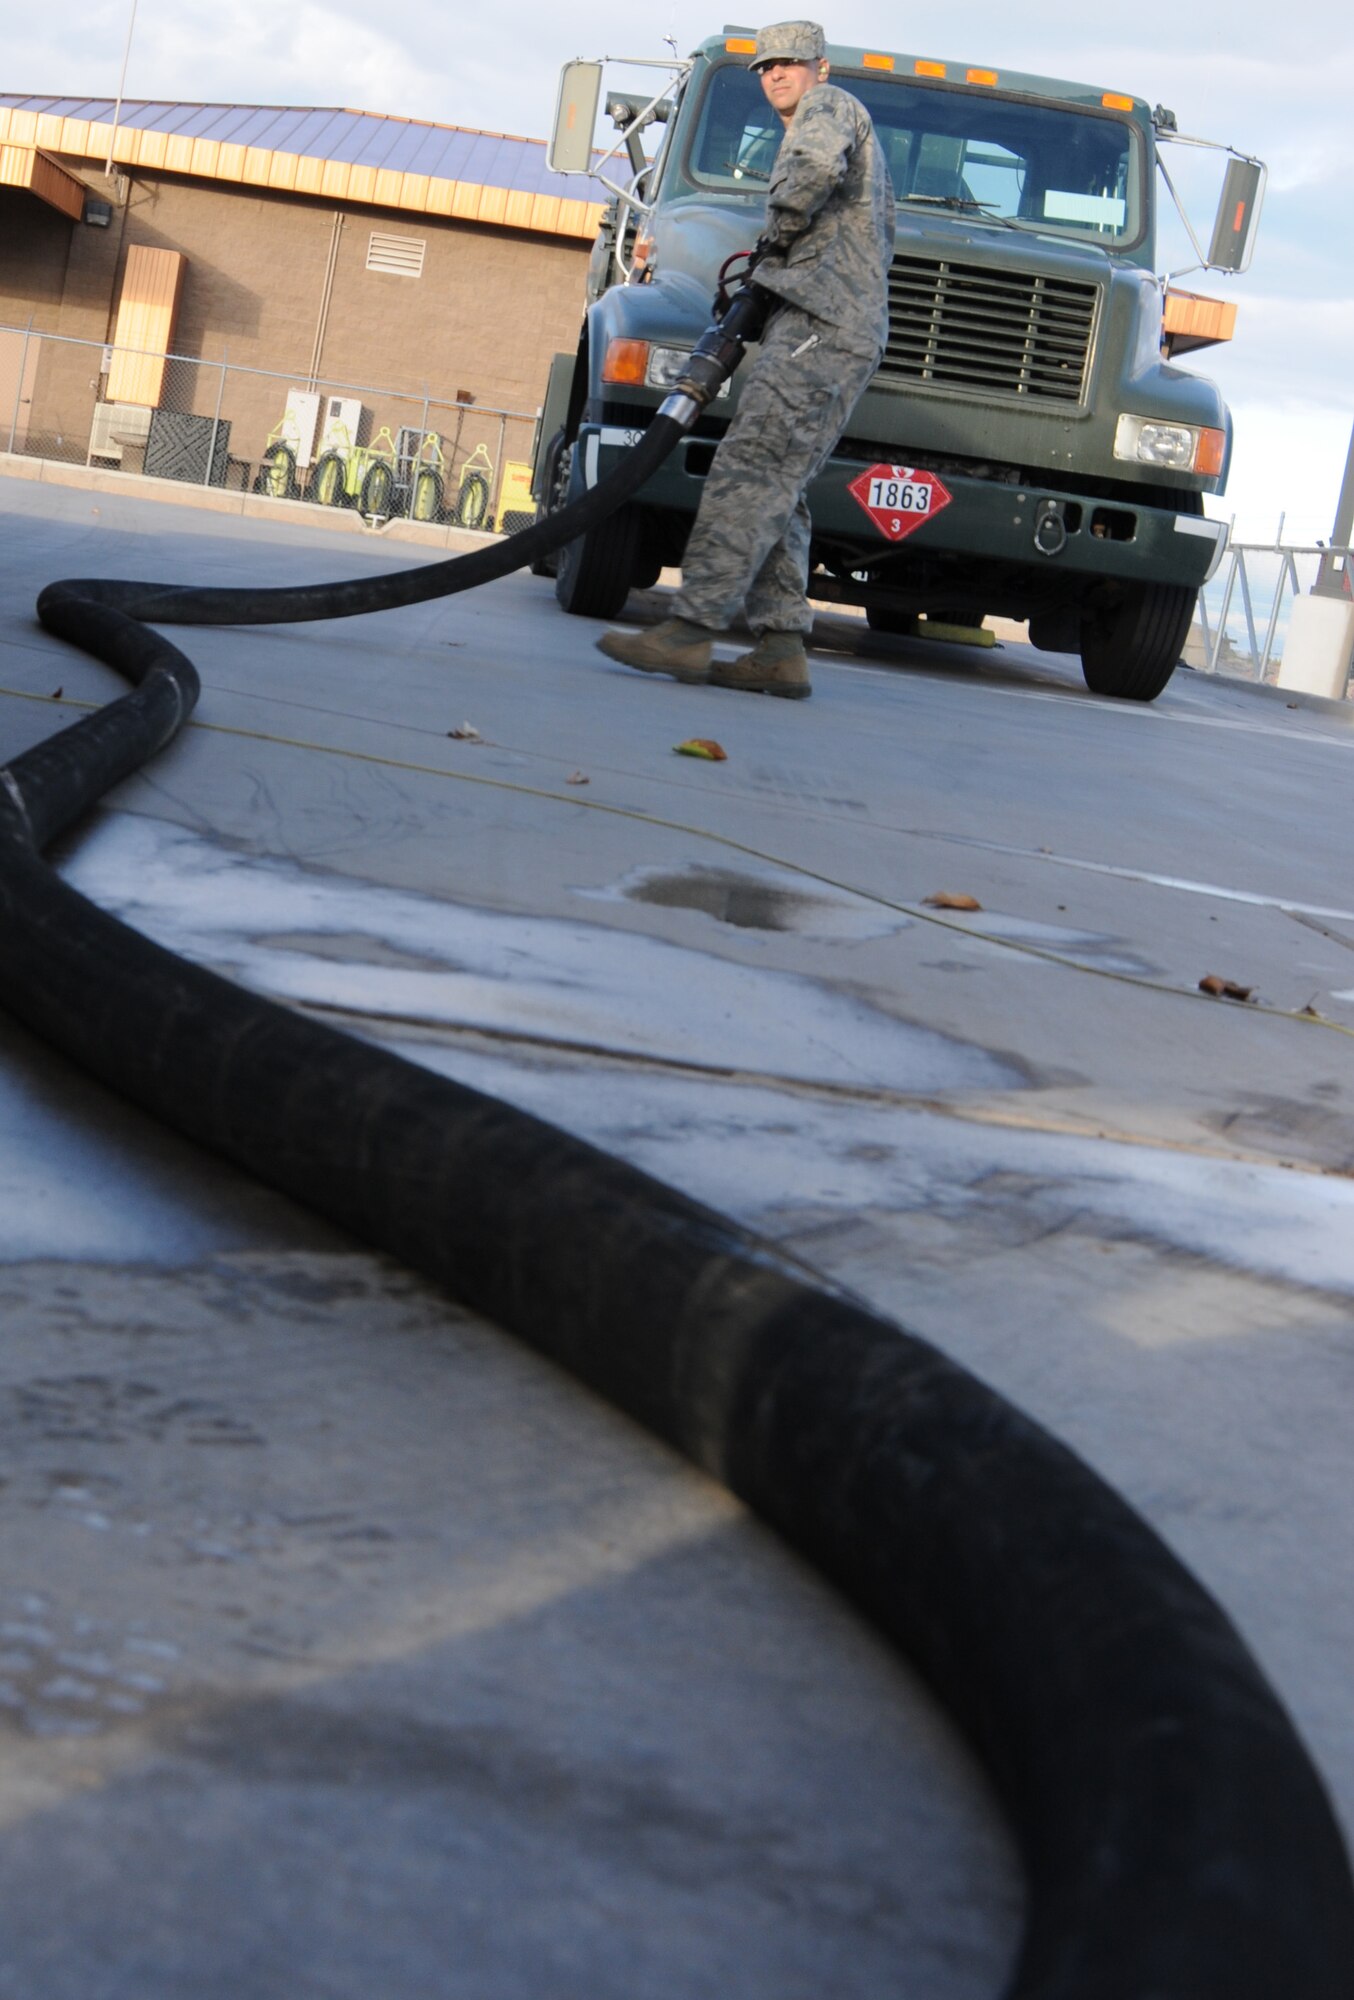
[1243, 191]
[580, 89]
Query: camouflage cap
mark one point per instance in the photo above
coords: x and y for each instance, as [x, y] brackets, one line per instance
[789, 41]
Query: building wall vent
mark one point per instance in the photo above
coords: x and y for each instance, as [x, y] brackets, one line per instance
[401, 256]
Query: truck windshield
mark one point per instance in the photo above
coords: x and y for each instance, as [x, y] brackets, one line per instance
[1017, 160]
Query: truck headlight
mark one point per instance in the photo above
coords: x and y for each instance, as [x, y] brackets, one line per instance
[666, 365]
[639, 361]
[1182, 447]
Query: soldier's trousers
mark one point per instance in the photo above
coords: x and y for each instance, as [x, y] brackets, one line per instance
[749, 546]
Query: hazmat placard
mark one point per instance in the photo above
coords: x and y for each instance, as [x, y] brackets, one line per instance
[899, 499]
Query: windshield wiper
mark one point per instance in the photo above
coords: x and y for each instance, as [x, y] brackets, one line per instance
[962, 204]
[741, 170]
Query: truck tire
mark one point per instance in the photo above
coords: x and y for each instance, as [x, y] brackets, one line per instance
[1131, 651]
[555, 470]
[594, 574]
[648, 565]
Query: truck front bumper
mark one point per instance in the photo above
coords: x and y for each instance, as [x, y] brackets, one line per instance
[982, 520]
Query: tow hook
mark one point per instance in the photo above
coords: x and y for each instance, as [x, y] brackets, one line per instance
[1050, 530]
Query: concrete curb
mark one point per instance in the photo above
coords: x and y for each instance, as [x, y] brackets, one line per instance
[248, 506]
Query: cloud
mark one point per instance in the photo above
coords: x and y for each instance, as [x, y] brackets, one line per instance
[1321, 159]
[1279, 355]
[1289, 460]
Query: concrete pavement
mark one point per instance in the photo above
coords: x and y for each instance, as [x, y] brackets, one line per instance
[348, 1649]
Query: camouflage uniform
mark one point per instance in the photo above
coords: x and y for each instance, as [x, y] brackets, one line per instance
[829, 237]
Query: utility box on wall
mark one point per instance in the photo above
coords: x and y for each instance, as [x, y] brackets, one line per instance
[300, 421]
[344, 423]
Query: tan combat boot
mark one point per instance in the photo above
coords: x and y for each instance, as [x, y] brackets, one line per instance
[674, 647]
[777, 664]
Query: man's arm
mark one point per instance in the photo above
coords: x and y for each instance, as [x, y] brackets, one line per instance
[811, 163]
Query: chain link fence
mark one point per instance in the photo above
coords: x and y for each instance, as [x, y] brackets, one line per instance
[1245, 613]
[385, 452]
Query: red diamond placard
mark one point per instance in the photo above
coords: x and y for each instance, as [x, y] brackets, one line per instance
[899, 499]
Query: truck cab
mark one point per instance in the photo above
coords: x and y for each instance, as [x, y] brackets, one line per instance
[1027, 447]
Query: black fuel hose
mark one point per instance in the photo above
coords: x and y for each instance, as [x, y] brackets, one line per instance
[191, 604]
[1177, 1841]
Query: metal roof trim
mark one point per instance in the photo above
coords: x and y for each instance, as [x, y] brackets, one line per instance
[417, 165]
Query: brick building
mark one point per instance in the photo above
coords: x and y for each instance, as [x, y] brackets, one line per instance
[321, 246]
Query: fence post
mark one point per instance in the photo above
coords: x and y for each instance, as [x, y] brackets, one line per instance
[1228, 590]
[216, 419]
[19, 386]
[412, 495]
[1289, 569]
[1243, 578]
[1207, 634]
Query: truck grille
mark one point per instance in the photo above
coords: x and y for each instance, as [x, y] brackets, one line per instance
[999, 334]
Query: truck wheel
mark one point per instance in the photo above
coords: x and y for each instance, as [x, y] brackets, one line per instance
[594, 574]
[554, 485]
[648, 564]
[1131, 651]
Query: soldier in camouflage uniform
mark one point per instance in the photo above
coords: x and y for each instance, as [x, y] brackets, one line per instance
[825, 253]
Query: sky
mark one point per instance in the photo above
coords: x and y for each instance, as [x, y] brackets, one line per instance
[1275, 82]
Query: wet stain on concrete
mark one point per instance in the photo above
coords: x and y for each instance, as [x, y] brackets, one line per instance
[731, 898]
[762, 900]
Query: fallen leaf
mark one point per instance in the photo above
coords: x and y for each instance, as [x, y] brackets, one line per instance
[949, 899]
[703, 746]
[467, 733]
[577, 778]
[1224, 989]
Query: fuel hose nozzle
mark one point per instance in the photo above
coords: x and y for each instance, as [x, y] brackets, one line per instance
[739, 319]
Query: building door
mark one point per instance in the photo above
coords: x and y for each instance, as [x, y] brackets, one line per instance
[18, 372]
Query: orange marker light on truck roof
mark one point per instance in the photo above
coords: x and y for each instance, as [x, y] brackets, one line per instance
[928, 69]
[1113, 101]
[876, 62]
[980, 76]
[737, 47]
